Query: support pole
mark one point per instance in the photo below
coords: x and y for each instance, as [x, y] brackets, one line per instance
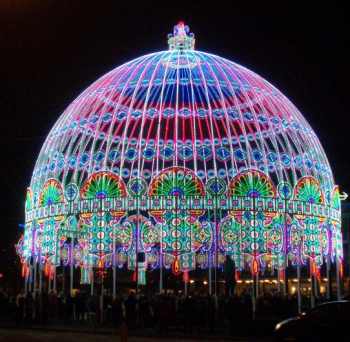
[101, 300]
[55, 280]
[114, 282]
[329, 279]
[338, 279]
[30, 280]
[298, 289]
[209, 275]
[254, 296]
[64, 279]
[312, 297]
[161, 261]
[71, 267]
[92, 282]
[35, 279]
[26, 284]
[114, 270]
[40, 277]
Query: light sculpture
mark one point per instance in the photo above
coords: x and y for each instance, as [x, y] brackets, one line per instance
[189, 158]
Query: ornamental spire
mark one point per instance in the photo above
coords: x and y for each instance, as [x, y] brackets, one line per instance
[181, 38]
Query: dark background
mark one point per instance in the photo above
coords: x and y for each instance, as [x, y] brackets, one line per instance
[52, 50]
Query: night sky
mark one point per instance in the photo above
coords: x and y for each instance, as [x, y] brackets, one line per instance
[50, 51]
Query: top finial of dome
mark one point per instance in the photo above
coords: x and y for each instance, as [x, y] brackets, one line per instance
[181, 38]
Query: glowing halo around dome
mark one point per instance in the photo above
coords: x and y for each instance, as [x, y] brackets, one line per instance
[189, 158]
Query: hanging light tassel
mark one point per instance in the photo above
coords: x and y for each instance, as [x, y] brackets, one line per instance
[237, 275]
[141, 273]
[313, 268]
[85, 275]
[47, 269]
[52, 271]
[281, 274]
[134, 276]
[255, 267]
[341, 269]
[176, 267]
[186, 276]
[25, 270]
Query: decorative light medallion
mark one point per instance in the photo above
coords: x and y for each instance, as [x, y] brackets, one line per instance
[71, 192]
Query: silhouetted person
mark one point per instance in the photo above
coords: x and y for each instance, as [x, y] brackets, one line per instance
[20, 300]
[130, 310]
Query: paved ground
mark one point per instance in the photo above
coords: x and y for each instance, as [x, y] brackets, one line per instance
[27, 335]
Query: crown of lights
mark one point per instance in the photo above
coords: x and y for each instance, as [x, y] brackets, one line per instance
[186, 157]
[181, 39]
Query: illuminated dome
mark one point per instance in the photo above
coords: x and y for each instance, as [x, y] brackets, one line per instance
[197, 154]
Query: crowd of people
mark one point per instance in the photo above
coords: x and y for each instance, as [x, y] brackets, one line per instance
[160, 313]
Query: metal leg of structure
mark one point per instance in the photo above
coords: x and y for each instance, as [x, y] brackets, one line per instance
[114, 282]
[71, 268]
[40, 277]
[30, 279]
[101, 301]
[209, 279]
[160, 273]
[338, 279]
[35, 278]
[55, 280]
[71, 279]
[316, 287]
[186, 287]
[26, 278]
[312, 297]
[254, 296]
[329, 279]
[63, 280]
[299, 289]
[92, 283]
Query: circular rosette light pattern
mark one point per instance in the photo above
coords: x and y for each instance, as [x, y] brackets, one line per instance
[103, 185]
[51, 193]
[253, 184]
[174, 183]
[308, 190]
[178, 182]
